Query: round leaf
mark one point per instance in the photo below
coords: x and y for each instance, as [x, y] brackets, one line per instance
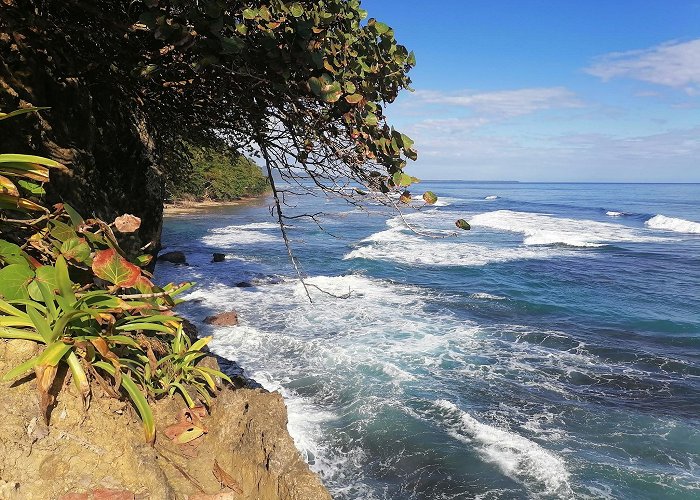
[429, 197]
[462, 224]
[112, 267]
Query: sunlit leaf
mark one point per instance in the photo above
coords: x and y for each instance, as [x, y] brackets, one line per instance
[112, 267]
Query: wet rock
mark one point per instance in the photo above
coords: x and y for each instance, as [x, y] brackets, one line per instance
[244, 284]
[219, 257]
[174, 257]
[228, 318]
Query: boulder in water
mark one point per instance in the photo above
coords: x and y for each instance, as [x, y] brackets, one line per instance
[219, 257]
[228, 318]
[174, 257]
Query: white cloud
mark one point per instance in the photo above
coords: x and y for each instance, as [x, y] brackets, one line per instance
[504, 103]
[673, 64]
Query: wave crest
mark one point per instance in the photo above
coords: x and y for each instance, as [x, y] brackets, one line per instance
[673, 224]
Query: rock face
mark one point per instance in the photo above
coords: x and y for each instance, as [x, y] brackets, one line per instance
[218, 257]
[106, 145]
[81, 453]
[229, 318]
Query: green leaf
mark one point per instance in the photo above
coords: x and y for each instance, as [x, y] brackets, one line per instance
[7, 332]
[65, 285]
[41, 325]
[249, 14]
[371, 119]
[403, 180]
[61, 231]
[296, 9]
[137, 398]
[76, 249]
[38, 160]
[4, 116]
[14, 281]
[134, 327]
[32, 187]
[429, 197]
[75, 217]
[112, 267]
[462, 224]
[199, 345]
[354, 98]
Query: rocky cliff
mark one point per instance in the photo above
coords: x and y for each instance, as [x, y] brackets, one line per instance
[100, 453]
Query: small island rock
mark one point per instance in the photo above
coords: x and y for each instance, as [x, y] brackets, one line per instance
[228, 318]
[219, 257]
[174, 257]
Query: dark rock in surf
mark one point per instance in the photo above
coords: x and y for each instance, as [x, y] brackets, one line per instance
[174, 257]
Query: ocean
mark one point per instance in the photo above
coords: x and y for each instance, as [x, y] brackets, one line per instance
[553, 351]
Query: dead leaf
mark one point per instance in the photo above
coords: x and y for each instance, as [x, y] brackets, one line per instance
[225, 478]
[45, 375]
[189, 426]
[127, 223]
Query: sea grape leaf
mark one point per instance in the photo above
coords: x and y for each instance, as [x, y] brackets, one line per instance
[62, 231]
[405, 197]
[127, 223]
[112, 267]
[75, 249]
[462, 224]
[429, 197]
[354, 98]
[14, 281]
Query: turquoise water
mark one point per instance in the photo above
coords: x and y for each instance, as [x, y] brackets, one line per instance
[553, 351]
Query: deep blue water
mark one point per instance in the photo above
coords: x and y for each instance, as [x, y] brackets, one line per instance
[553, 351]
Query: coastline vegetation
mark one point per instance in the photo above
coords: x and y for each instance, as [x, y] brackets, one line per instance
[213, 173]
[66, 283]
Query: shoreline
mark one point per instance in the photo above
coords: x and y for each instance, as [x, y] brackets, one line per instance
[189, 207]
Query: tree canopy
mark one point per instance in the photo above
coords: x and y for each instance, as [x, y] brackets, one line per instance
[302, 83]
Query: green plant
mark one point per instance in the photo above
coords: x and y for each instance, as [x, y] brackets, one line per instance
[66, 283]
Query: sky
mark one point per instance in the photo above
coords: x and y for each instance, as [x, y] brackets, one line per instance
[550, 90]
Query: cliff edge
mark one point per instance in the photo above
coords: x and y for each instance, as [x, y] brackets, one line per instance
[247, 452]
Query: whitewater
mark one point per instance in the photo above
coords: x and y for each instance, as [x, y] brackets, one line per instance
[553, 351]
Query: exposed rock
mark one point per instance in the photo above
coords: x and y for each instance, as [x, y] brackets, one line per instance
[219, 257]
[103, 452]
[175, 257]
[244, 284]
[228, 318]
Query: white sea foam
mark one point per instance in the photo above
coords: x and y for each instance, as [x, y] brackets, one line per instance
[246, 234]
[673, 224]
[399, 244]
[612, 213]
[518, 457]
[486, 296]
[418, 251]
[492, 197]
[544, 229]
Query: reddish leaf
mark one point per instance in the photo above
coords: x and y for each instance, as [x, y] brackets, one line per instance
[110, 266]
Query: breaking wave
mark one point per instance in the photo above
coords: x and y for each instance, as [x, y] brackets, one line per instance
[673, 224]
[544, 229]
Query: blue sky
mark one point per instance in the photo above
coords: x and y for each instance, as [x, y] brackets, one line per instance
[557, 90]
